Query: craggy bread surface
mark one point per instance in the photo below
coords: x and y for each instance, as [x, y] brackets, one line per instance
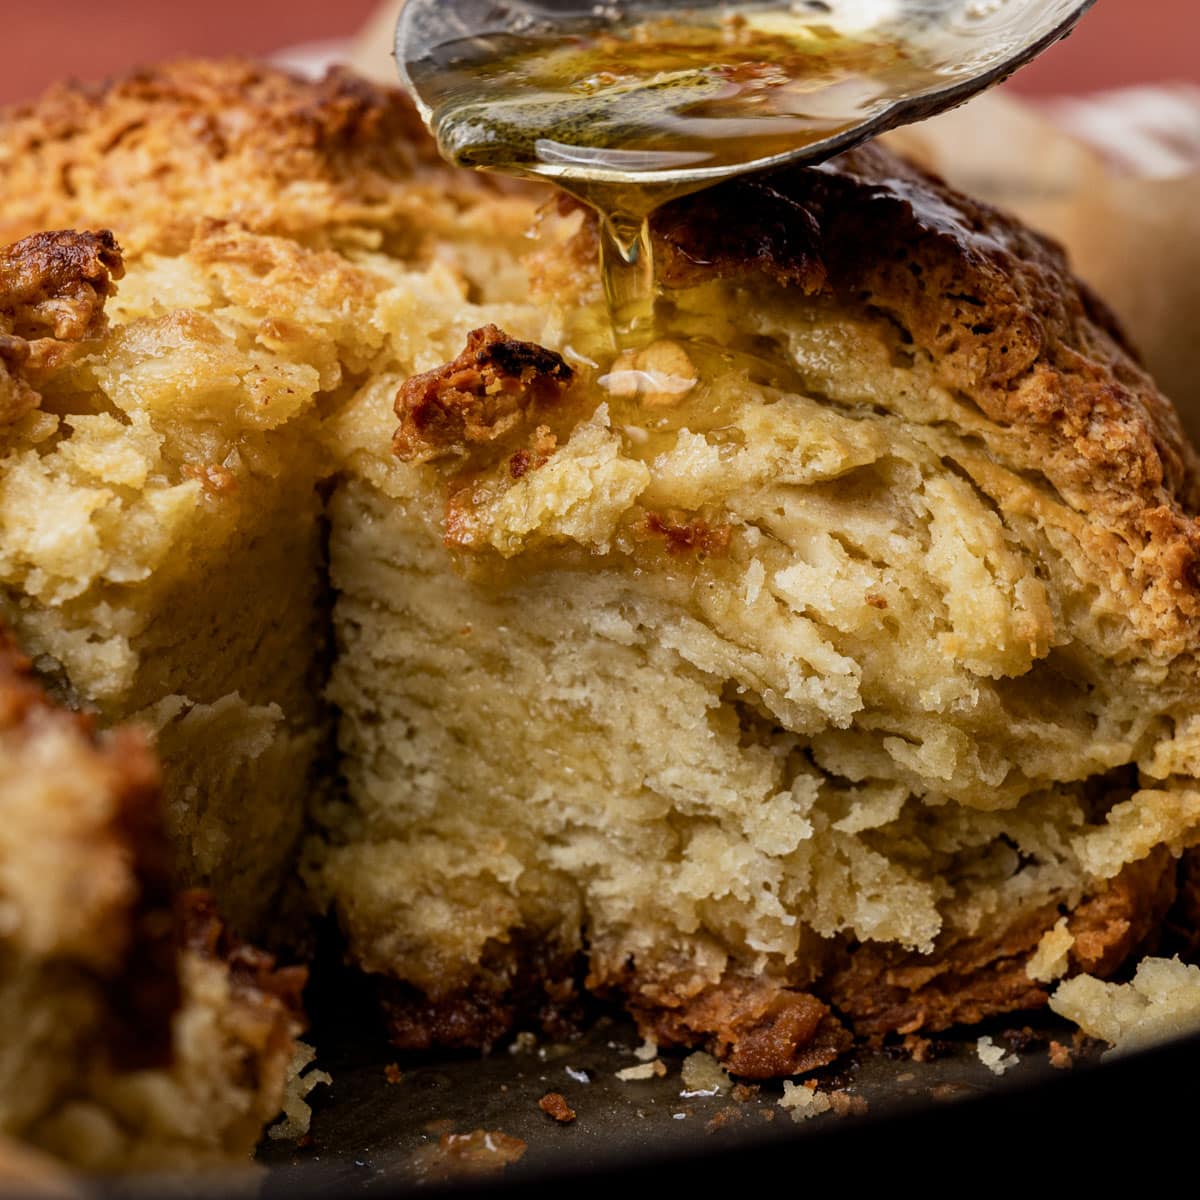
[152, 153]
[958, 330]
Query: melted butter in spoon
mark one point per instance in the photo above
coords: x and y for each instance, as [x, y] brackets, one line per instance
[693, 92]
[630, 103]
[629, 116]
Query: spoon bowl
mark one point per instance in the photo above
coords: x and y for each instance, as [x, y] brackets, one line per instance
[962, 46]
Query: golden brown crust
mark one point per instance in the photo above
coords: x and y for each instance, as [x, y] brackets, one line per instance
[758, 1029]
[883, 989]
[762, 1029]
[521, 981]
[153, 152]
[1125, 916]
[114, 147]
[496, 388]
[52, 292]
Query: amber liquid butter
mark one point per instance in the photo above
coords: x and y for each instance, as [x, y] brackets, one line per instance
[612, 114]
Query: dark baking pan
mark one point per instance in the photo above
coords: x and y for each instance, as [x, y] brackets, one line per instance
[379, 1132]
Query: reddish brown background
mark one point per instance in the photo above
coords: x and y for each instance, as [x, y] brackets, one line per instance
[1119, 42]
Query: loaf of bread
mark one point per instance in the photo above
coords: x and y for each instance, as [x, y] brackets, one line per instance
[826, 668]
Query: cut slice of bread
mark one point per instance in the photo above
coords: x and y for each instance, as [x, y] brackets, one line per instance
[137, 1034]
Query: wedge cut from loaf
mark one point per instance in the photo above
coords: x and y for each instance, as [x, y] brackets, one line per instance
[136, 1033]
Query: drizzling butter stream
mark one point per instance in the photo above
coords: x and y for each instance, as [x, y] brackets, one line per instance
[628, 104]
[609, 113]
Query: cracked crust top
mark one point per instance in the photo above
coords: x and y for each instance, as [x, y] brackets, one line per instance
[993, 303]
[151, 152]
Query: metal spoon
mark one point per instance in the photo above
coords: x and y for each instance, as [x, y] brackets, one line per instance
[973, 43]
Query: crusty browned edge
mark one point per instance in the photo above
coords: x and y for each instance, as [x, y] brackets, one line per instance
[996, 309]
[756, 1027]
[152, 151]
[495, 389]
[144, 987]
[52, 291]
[881, 989]
[54, 284]
[762, 1028]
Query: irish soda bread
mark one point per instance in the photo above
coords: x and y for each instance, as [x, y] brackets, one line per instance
[827, 668]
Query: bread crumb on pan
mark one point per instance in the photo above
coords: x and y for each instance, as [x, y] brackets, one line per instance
[703, 1075]
[302, 1077]
[554, 1105]
[995, 1058]
[647, 1070]
[804, 1101]
[1051, 960]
